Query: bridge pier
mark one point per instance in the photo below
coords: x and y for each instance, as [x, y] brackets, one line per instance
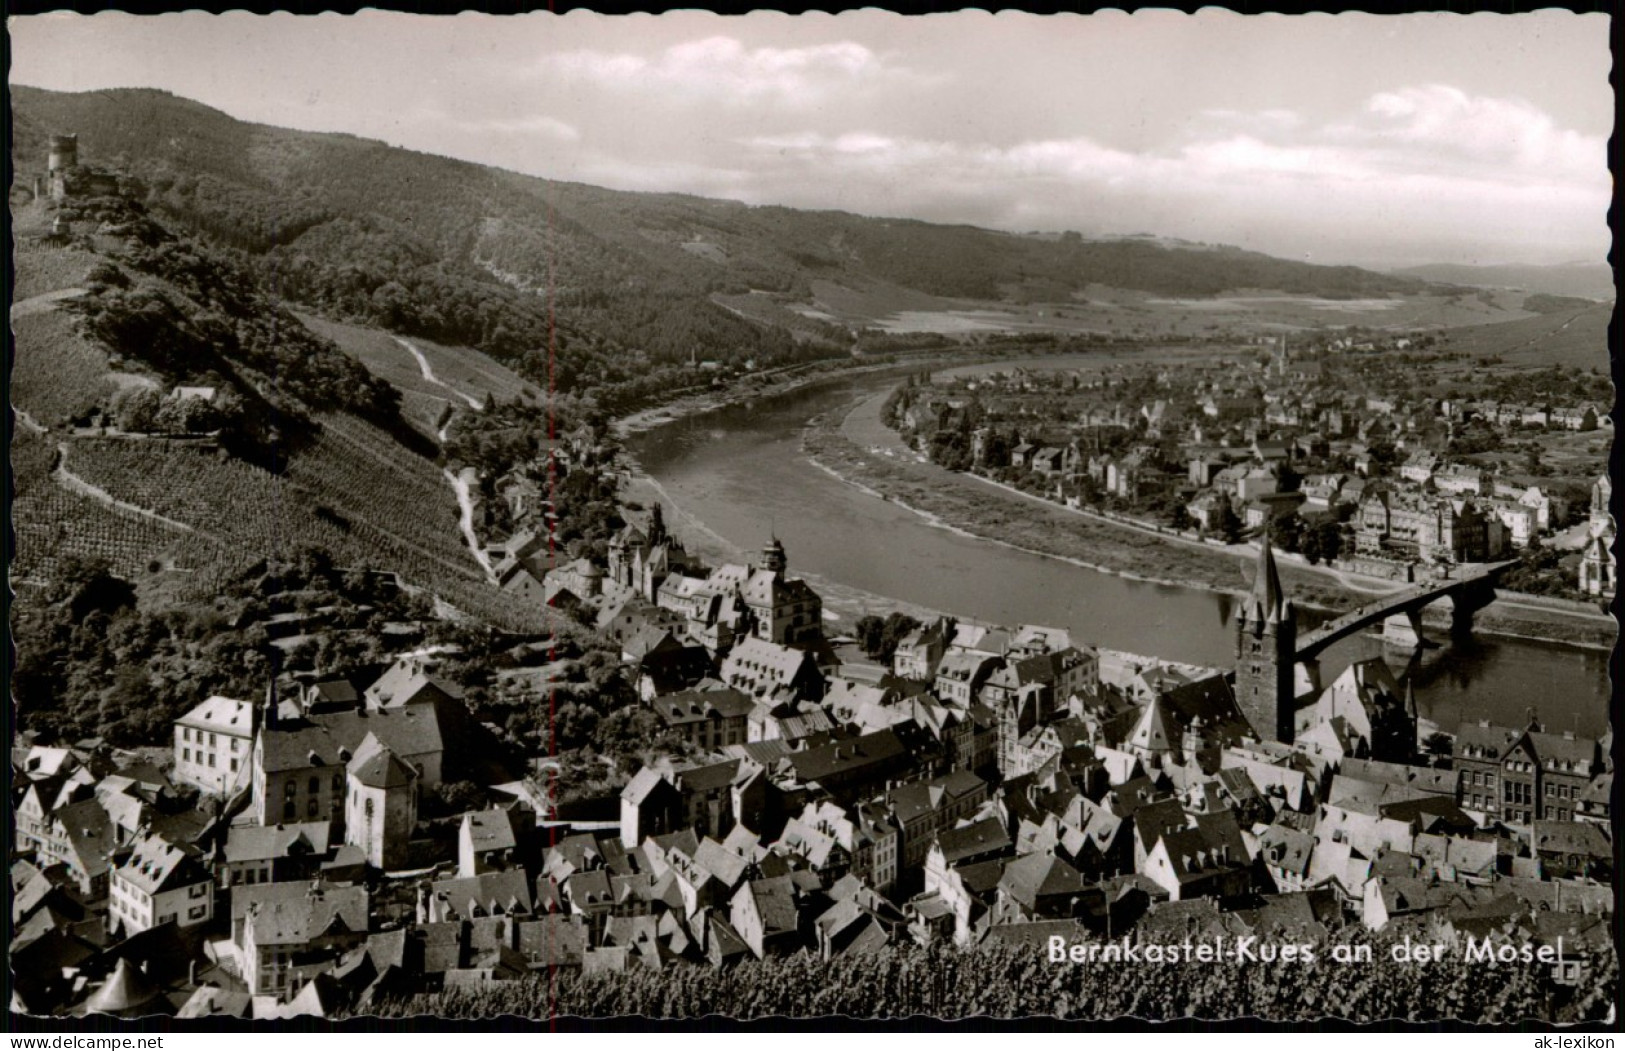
[1306, 677]
[1404, 630]
[1465, 603]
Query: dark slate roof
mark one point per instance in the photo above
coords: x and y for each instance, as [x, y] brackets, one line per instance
[376, 766]
[979, 839]
[1037, 876]
[841, 757]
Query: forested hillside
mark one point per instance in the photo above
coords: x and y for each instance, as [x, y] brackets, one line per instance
[613, 288]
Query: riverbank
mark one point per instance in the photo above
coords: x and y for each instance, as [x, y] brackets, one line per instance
[772, 384]
[979, 508]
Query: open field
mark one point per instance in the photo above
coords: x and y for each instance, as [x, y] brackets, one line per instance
[462, 373]
[477, 374]
[1113, 310]
[55, 373]
[48, 269]
[1577, 338]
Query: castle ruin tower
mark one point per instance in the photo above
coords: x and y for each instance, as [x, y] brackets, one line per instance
[64, 157]
[1266, 647]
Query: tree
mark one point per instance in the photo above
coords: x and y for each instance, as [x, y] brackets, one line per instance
[879, 637]
[1309, 546]
[1229, 523]
[1288, 531]
[137, 409]
[1438, 743]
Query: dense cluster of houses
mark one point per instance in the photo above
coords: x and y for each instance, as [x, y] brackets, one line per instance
[1253, 443]
[984, 784]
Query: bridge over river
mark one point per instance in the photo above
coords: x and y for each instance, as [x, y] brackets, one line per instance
[1468, 592]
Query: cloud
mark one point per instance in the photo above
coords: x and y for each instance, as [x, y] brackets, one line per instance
[1428, 163]
[1454, 126]
[720, 69]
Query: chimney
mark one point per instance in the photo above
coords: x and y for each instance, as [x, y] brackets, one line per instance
[191, 973]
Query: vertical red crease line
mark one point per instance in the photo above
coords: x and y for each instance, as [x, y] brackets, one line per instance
[552, 560]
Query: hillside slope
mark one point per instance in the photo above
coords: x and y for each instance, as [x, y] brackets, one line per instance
[1574, 337]
[1589, 280]
[619, 285]
[180, 425]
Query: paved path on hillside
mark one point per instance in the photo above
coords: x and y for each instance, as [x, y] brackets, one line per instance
[44, 301]
[465, 516]
[75, 484]
[428, 374]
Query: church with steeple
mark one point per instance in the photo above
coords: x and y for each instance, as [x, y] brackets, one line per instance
[1266, 653]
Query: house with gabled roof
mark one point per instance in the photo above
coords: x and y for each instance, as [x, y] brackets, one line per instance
[1572, 849]
[1041, 886]
[285, 932]
[961, 674]
[851, 768]
[759, 668]
[921, 809]
[299, 763]
[504, 893]
[650, 806]
[82, 838]
[1286, 853]
[496, 839]
[160, 883]
[766, 916]
[274, 853]
[1206, 860]
[708, 719]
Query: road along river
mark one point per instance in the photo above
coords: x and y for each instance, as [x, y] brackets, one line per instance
[735, 476]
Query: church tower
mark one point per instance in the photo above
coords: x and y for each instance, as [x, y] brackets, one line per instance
[773, 558]
[1266, 648]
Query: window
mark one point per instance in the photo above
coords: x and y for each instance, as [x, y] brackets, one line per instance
[186, 755]
[315, 785]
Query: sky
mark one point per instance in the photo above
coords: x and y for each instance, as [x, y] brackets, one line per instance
[1374, 140]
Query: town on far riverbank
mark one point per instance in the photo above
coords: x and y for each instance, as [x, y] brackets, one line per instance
[1166, 470]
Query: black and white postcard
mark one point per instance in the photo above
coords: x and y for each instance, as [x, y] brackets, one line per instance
[1089, 517]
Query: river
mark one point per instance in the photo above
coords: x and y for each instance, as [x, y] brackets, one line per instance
[737, 475]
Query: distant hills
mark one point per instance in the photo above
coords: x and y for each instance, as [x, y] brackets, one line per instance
[1588, 280]
[456, 252]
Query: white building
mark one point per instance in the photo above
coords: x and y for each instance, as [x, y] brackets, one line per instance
[213, 745]
[160, 883]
